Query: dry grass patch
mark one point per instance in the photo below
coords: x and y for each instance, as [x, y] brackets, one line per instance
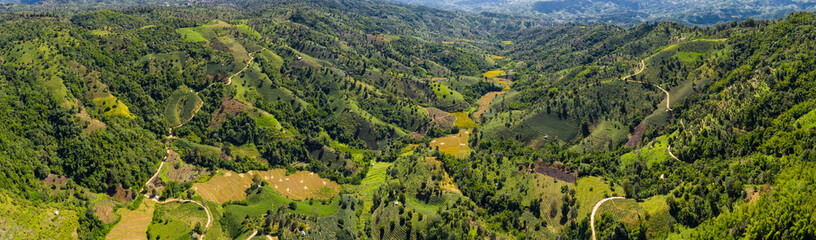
[454, 144]
[228, 186]
[446, 183]
[134, 222]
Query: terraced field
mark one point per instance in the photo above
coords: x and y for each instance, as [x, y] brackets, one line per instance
[493, 74]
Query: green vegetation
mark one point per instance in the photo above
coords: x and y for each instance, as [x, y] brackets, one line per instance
[330, 120]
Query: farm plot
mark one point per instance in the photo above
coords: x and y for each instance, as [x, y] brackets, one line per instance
[181, 106]
[630, 211]
[454, 144]
[484, 104]
[134, 223]
[463, 121]
[231, 186]
[553, 126]
[301, 185]
[225, 187]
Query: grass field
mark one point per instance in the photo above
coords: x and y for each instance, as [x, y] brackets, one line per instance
[463, 121]
[454, 144]
[21, 220]
[192, 34]
[493, 74]
[177, 220]
[445, 95]
[653, 153]
[134, 223]
[507, 42]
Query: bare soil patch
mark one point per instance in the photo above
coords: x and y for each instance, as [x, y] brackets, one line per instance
[635, 138]
[557, 171]
[229, 106]
[181, 172]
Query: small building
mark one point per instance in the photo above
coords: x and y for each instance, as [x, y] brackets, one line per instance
[56, 212]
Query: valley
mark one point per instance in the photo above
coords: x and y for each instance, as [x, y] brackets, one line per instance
[359, 119]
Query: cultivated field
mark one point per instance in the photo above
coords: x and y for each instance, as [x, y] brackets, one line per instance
[484, 104]
[463, 121]
[181, 106]
[231, 186]
[454, 144]
[134, 222]
[493, 74]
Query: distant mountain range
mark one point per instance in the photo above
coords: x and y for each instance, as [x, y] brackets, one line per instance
[632, 12]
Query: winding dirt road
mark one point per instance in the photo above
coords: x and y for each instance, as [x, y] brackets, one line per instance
[595, 209]
[251, 57]
[668, 148]
[252, 235]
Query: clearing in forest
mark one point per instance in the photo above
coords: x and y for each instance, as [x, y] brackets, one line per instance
[454, 144]
[134, 222]
[110, 105]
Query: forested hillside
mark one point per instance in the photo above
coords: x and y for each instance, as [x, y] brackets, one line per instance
[361, 119]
